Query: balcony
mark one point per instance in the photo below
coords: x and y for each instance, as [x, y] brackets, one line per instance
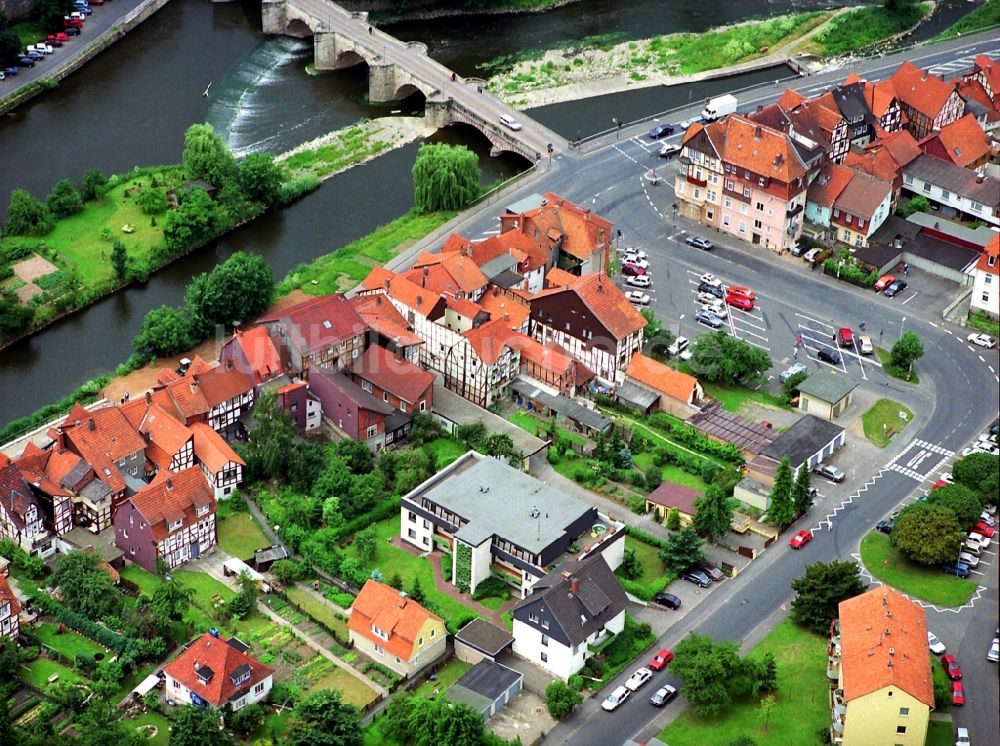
[696, 181]
[602, 642]
[793, 212]
[605, 530]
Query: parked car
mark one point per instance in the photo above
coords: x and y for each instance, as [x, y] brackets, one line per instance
[660, 660]
[845, 337]
[35, 54]
[951, 667]
[25, 61]
[61, 37]
[615, 699]
[883, 282]
[884, 527]
[637, 679]
[740, 301]
[962, 737]
[638, 297]
[829, 355]
[985, 517]
[719, 309]
[958, 569]
[661, 130]
[792, 371]
[798, 249]
[509, 122]
[667, 599]
[711, 570]
[697, 577]
[968, 558]
[707, 318]
[865, 344]
[634, 261]
[688, 122]
[632, 270]
[800, 539]
[669, 150]
[983, 340]
[994, 652]
[663, 695]
[72, 21]
[678, 346]
[935, 645]
[981, 540]
[699, 243]
[52, 41]
[639, 281]
[709, 279]
[983, 530]
[71, 31]
[810, 256]
[829, 471]
[957, 694]
[717, 290]
[972, 546]
[10, 70]
[632, 251]
[895, 289]
[743, 291]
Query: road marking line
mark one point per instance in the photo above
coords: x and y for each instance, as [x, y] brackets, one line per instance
[977, 594]
[933, 324]
[911, 298]
[815, 321]
[948, 331]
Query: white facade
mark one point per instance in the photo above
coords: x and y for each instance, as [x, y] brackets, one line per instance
[986, 290]
[178, 693]
[416, 530]
[226, 480]
[965, 205]
[314, 413]
[562, 661]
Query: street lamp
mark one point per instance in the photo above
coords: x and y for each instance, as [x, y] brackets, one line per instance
[901, 322]
[618, 125]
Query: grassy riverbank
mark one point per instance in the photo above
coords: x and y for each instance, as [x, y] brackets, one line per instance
[861, 27]
[984, 16]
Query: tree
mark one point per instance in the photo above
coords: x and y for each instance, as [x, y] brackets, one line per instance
[85, 586]
[269, 443]
[196, 726]
[101, 724]
[718, 357]
[10, 47]
[356, 455]
[781, 509]
[791, 385]
[323, 719]
[766, 707]
[165, 331]
[27, 216]
[561, 699]
[708, 669]
[193, 223]
[714, 513]
[366, 542]
[49, 13]
[820, 591]
[960, 500]
[631, 567]
[978, 471]
[654, 337]
[907, 350]
[417, 591]
[64, 200]
[306, 462]
[14, 317]
[152, 201]
[438, 721]
[445, 177]
[240, 288]
[683, 549]
[93, 185]
[171, 599]
[245, 720]
[289, 570]
[928, 534]
[119, 260]
[260, 178]
[802, 497]
[207, 157]
[673, 519]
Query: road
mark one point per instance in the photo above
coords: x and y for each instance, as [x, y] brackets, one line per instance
[957, 398]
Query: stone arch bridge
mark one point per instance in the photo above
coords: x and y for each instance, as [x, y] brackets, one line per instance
[398, 69]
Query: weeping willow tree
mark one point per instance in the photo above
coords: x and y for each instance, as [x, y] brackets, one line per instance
[445, 177]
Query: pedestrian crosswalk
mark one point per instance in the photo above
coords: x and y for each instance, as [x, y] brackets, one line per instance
[962, 64]
[919, 460]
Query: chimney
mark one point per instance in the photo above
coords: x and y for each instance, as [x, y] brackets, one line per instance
[420, 300]
[194, 384]
[149, 398]
[170, 484]
[758, 132]
[90, 425]
[574, 586]
[388, 282]
[61, 439]
[229, 364]
[506, 317]
[423, 277]
[402, 599]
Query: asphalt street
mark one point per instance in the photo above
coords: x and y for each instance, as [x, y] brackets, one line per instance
[957, 398]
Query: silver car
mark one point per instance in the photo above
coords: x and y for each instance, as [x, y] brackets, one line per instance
[708, 318]
[830, 472]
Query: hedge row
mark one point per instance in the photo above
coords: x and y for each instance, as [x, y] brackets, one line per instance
[692, 438]
[385, 509]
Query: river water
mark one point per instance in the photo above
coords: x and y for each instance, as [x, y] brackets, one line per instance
[132, 104]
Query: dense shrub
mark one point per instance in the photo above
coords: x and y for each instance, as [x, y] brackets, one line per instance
[492, 587]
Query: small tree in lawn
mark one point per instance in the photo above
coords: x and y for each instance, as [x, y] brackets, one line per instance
[907, 350]
[631, 567]
[802, 497]
[64, 200]
[366, 542]
[119, 260]
[714, 513]
[93, 185]
[928, 534]
[417, 591]
[819, 592]
[781, 509]
[561, 700]
[445, 177]
[683, 549]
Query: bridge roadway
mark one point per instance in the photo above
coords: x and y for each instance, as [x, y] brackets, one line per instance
[398, 69]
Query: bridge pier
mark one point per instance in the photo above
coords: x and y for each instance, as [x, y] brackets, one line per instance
[273, 17]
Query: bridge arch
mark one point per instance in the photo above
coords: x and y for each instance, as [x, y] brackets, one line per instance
[298, 28]
[409, 89]
[349, 58]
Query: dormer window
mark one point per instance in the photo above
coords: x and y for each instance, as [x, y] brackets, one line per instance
[174, 525]
[202, 509]
[380, 633]
[240, 674]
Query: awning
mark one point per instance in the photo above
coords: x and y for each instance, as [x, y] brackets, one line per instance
[632, 394]
[147, 685]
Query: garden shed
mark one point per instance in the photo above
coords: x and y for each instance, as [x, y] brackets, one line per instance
[481, 640]
[486, 687]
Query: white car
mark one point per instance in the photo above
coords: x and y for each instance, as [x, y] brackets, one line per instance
[638, 297]
[968, 558]
[718, 308]
[986, 518]
[974, 538]
[637, 679]
[638, 281]
[636, 252]
[983, 340]
[706, 298]
[709, 279]
[994, 652]
[810, 256]
[636, 262]
[615, 699]
[936, 646]
[962, 737]
[679, 345]
[508, 121]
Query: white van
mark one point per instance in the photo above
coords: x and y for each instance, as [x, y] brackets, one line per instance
[509, 121]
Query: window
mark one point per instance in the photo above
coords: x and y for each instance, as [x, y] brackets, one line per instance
[927, 187]
[743, 226]
[712, 196]
[372, 431]
[411, 533]
[433, 632]
[343, 344]
[402, 405]
[420, 642]
[836, 213]
[847, 236]
[744, 209]
[413, 516]
[760, 207]
[991, 261]
[757, 224]
[385, 396]
[125, 533]
[725, 220]
[366, 386]
[258, 688]
[545, 641]
[379, 650]
[900, 730]
[904, 711]
[861, 222]
[709, 214]
[746, 191]
[399, 661]
[423, 406]
[977, 207]
[354, 353]
[857, 240]
[532, 617]
[986, 297]
[175, 524]
[730, 185]
[728, 203]
[945, 194]
[545, 658]
[908, 179]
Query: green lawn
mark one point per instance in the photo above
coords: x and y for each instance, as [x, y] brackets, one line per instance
[38, 671]
[240, 535]
[534, 425]
[68, 643]
[156, 720]
[883, 417]
[354, 691]
[652, 567]
[928, 583]
[902, 374]
[802, 707]
[941, 683]
[445, 449]
[391, 560]
[982, 17]
[734, 398]
[860, 27]
[452, 672]
[939, 733]
[671, 473]
[317, 610]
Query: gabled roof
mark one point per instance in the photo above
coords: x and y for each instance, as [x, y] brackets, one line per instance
[401, 378]
[790, 99]
[424, 301]
[433, 277]
[579, 613]
[955, 179]
[963, 140]
[500, 306]
[211, 449]
[863, 195]
[991, 72]
[465, 307]
[660, 377]
[63, 467]
[318, 322]
[991, 250]
[828, 184]
[261, 354]
[16, 497]
[556, 277]
[879, 96]
[671, 495]
[171, 496]
[901, 145]
[391, 611]
[582, 231]
[218, 661]
[609, 304]
[883, 641]
[7, 594]
[166, 435]
[382, 317]
[102, 436]
[920, 90]
[973, 93]
[757, 148]
[490, 339]
[187, 397]
[34, 466]
[549, 357]
[353, 392]
[828, 385]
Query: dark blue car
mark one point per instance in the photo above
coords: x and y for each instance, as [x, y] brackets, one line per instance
[958, 569]
[661, 130]
[26, 62]
[10, 71]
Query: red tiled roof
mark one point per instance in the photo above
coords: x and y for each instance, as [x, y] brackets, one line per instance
[920, 90]
[376, 279]
[188, 398]
[222, 383]
[671, 495]
[608, 304]
[500, 306]
[33, 465]
[883, 642]
[464, 307]
[7, 594]
[382, 316]
[963, 140]
[401, 378]
[171, 496]
[112, 438]
[863, 195]
[550, 358]
[757, 148]
[489, 340]
[828, 184]
[902, 146]
[135, 409]
[164, 430]
[261, 354]
[992, 249]
[15, 494]
[583, 232]
[991, 71]
[411, 295]
[973, 89]
[790, 99]
[211, 449]
[383, 606]
[556, 277]
[660, 377]
[432, 277]
[210, 653]
[319, 322]
[466, 273]
[879, 96]
[877, 163]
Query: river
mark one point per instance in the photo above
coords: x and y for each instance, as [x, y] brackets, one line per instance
[131, 105]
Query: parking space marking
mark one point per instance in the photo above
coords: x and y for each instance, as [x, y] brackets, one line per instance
[815, 321]
[872, 580]
[911, 298]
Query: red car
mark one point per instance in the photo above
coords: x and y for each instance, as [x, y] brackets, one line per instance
[60, 37]
[746, 292]
[938, 484]
[632, 269]
[951, 667]
[800, 539]
[740, 301]
[957, 694]
[660, 660]
[74, 22]
[983, 529]
[52, 41]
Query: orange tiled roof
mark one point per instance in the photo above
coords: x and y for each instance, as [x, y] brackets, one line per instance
[964, 141]
[489, 340]
[992, 249]
[876, 162]
[920, 90]
[211, 448]
[609, 304]
[111, 438]
[401, 378]
[550, 358]
[991, 71]
[218, 659]
[499, 306]
[863, 195]
[187, 397]
[902, 146]
[660, 377]
[828, 184]
[973, 89]
[464, 307]
[790, 99]
[33, 464]
[319, 322]
[583, 232]
[222, 383]
[164, 430]
[757, 148]
[872, 625]
[556, 277]
[411, 295]
[382, 316]
[377, 278]
[261, 354]
[432, 277]
[383, 606]
[879, 96]
[171, 496]
[465, 272]
[7, 594]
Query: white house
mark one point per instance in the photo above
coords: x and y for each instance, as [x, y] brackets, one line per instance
[953, 188]
[217, 672]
